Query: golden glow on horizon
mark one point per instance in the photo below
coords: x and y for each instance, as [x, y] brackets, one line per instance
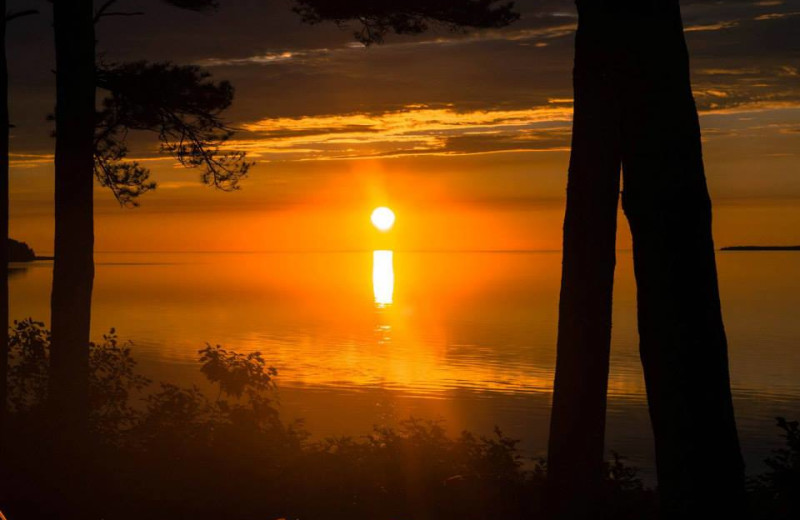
[383, 277]
[382, 218]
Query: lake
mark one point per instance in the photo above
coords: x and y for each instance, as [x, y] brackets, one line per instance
[365, 338]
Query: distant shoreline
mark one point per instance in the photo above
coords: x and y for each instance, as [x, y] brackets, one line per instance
[761, 248]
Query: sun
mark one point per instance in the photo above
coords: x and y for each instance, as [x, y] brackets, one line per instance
[382, 218]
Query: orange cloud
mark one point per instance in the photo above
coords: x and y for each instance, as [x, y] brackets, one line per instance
[414, 130]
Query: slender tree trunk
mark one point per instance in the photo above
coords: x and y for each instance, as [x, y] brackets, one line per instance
[4, 197]
[73, 270]
[577, 428]
[682, 338]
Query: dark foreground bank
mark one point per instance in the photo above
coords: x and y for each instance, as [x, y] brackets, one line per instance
[165, 451]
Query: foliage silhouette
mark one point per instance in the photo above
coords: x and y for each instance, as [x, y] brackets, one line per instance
[112, 378]
[166, 451]
[182, 106]
[29, 353]
[379, 17]
[237, 373]
[775, 493]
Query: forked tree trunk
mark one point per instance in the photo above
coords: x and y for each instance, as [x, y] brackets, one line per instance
[73, 270]
[682, 338]
[633, 96]
[577, 426]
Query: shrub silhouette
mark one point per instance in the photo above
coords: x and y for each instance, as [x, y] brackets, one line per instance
[776, 493]
[168, 451]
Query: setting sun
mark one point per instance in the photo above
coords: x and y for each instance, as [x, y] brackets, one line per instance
[382, 218]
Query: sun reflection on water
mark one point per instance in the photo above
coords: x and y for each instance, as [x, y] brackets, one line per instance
[383, 277]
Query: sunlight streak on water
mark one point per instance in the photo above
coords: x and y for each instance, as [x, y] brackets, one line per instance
[383, 277]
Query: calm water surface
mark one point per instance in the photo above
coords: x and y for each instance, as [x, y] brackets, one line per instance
[469, 338]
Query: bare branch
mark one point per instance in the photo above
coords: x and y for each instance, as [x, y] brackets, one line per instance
[103, 9]
[118, 13]
[13, 15]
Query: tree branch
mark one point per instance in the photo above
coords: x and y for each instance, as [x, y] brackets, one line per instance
[13, 15]
[120, 13]
[104, 11]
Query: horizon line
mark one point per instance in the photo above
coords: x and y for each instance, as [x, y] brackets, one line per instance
[367, 250]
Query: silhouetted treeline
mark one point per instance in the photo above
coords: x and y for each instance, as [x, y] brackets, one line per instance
[169, 451]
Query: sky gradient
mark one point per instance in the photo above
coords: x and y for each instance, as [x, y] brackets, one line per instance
[465, 136]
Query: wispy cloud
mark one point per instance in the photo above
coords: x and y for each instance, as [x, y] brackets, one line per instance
[268, 58]
[752, 106]
[414, 130]
[718, 26]
[32, 160]
[743, 71]
[775, 16]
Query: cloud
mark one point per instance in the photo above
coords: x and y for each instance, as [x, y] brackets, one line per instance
[775, 16]
[268, 58]
[746, 88]
[414, 130]
[729, 72]
[316, 56]
[29, 160]
[712, 26]
[748, 107]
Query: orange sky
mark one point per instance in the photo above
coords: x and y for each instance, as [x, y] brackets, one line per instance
[465, 136]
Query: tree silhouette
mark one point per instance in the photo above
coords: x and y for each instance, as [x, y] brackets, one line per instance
[73, 266]
[634, 108]
[89, 143]
[5, 125]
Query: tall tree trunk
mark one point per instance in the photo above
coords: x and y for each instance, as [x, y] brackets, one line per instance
[633, 102]
[682, 338]
[577, 427]
[73, 270]
[4, 196]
